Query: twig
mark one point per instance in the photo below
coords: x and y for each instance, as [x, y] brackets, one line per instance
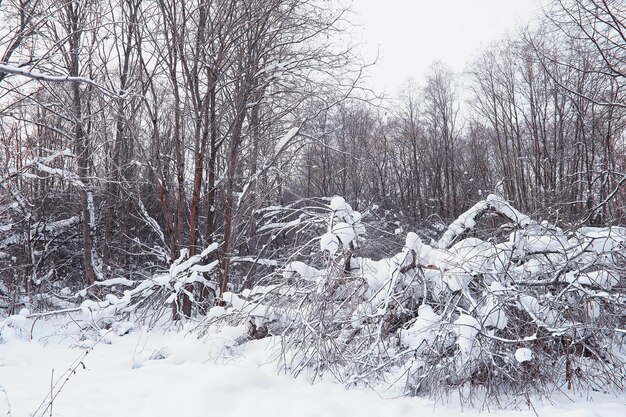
[6, 397]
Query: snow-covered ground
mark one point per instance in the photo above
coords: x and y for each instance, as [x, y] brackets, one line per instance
[172, 373]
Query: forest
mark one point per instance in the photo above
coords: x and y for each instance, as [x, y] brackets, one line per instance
[223, 163]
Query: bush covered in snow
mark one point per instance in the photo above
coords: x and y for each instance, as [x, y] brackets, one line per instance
[528, 314]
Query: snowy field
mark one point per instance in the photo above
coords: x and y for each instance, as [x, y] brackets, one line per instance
[172, 373]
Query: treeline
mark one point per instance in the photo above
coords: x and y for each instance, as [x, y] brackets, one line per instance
[134, 131]
[539, 119]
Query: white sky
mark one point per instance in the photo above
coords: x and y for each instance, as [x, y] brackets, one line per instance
[410, 34]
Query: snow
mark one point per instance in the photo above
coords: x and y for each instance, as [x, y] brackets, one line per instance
[344, 232]
[338, 204]
[376, 273]
[493, 315]
[467, 220]
[466, 328]
[14, 326]
[603, 279]
[70, 176]
[36, 75]
[457, 279]
[413, 242]
[504, 208]
[344, 213]
[329, 242]
[523, 355]
[422, 330]
[166, 373]
[39, 229]
[116, 281]
[426, 254]
[180, 266]
[593, 310]
[306, 272]
[343, 229]
[285, 225]
[257, 261]
[544, 240]
[282, 143]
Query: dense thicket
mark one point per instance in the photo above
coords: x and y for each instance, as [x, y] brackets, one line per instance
[135, 132]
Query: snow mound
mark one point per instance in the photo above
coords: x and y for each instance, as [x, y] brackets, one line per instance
[523, 355]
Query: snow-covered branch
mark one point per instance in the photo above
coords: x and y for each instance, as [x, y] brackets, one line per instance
[40, 76]
[41, 230]
[467, 220]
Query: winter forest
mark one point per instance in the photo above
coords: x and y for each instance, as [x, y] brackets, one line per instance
[211, 187]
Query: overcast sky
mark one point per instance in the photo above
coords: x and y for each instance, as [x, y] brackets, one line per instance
[410, 34]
